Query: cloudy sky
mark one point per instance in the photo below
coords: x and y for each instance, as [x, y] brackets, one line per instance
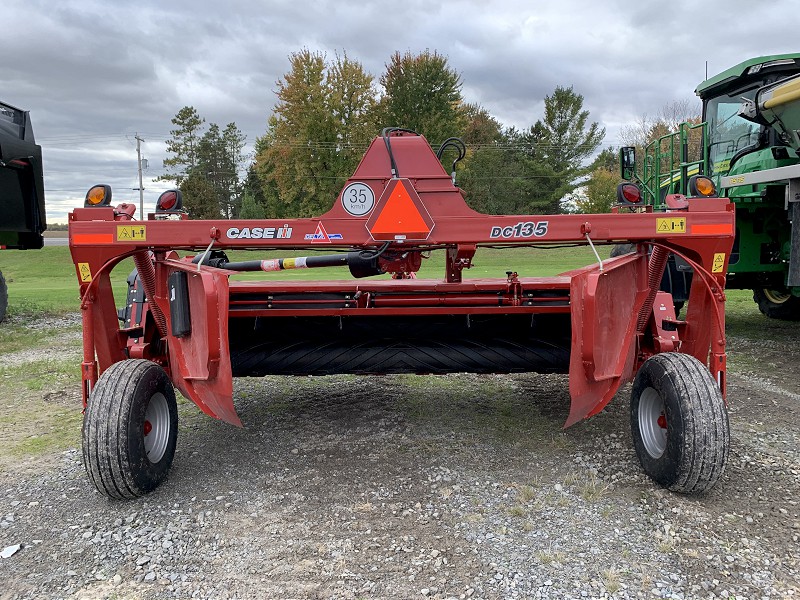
[93, 73]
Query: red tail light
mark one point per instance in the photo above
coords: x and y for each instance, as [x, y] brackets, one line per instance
[169, 201]
[629, 193]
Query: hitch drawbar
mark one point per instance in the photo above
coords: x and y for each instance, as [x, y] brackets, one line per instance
[189, 325]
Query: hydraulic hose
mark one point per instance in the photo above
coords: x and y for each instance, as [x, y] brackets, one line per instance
[360, 263]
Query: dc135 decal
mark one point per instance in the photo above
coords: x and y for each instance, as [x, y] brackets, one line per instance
[523, 229]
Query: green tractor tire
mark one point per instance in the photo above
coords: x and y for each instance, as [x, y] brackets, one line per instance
[777, 303]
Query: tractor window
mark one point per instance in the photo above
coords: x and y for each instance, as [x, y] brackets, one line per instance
[727, 132]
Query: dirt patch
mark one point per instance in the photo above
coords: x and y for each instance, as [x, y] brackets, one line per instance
[411, 487]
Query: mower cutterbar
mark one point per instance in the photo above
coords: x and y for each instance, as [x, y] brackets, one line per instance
[186, 324]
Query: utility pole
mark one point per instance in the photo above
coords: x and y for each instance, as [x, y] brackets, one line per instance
[141, 187]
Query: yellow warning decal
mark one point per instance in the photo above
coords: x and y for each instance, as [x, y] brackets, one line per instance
[719, 262]
[85, 272]
[131, 233]
[671, 225]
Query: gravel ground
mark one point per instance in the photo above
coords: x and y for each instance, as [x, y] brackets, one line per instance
[457, 486]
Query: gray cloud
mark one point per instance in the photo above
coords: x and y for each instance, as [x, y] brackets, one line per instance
[95, 73]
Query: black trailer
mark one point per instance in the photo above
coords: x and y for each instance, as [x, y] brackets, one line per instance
[22, 215]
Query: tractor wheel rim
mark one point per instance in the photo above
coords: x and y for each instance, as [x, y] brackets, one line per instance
[776, 297]
[652, 422]
[156, 428]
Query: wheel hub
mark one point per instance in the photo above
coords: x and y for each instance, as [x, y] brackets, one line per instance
[653, 422]
[156, 428]
[777, 296]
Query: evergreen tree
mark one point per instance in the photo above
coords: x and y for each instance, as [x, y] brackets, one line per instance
[214, 156]
[233, 140]
[251, 209]
[183, 144]
[219, 160]
[504, 178]
[562, 140]
[607, 159]
[256, 189]
[199, 197]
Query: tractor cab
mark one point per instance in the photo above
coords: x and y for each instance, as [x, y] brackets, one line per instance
[750, 118]
[737, 142]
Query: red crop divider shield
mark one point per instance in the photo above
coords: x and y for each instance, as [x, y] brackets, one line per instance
[201, 364]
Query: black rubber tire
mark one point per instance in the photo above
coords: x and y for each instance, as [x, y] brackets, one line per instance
[697, 436]
[3, 297]
[777, 304]
[621, 249]
[114, 447]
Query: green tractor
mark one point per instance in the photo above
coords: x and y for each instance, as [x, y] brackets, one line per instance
[22, 215]
[748, 143]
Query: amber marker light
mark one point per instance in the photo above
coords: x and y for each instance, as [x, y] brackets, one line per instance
[98, 195]
[700, 185]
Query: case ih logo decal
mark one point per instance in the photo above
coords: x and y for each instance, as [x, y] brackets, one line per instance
[259, 233]
[523, 229]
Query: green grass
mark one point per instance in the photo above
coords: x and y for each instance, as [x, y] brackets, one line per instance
[14, 338]
[744, 320]
[44, 281]
[488, 262]
[40, 280]
[54, 431]
[42, 374]
[37, 416]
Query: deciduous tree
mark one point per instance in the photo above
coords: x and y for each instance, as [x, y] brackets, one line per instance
[318, 131]
[601, 191]
[422, 93]
[481, 128]
[646, 130]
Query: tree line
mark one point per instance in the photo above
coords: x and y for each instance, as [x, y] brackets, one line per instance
[328, 110]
